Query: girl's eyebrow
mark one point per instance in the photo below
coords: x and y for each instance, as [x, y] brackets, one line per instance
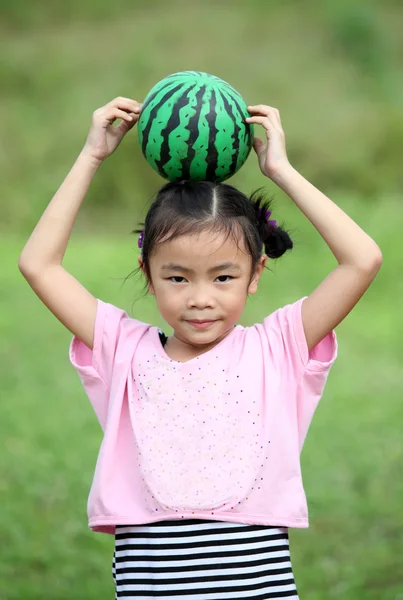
[223, 267]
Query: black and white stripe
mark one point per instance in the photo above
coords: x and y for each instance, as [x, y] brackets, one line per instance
[203, 560]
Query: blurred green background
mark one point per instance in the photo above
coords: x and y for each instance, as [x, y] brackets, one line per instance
[335, 71]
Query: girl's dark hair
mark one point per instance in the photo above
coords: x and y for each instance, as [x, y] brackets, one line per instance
[188, 207]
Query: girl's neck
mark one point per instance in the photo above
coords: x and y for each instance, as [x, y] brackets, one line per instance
[182, 351]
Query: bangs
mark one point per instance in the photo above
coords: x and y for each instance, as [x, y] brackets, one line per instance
[188, 208]
[167, 231]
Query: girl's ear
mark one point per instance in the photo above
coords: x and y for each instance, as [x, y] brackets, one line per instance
[150, 286]
[252, 289]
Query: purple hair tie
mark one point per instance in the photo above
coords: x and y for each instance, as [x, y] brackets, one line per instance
[140, 240]
[266, 214]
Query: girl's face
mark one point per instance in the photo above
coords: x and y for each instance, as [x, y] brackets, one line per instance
[201, 283]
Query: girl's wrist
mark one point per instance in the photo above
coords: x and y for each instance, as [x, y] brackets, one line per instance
[283, 174]
[87, 159]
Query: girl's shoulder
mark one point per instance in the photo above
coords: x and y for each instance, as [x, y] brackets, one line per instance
[116, 335]
[284, 331]
[112, 318]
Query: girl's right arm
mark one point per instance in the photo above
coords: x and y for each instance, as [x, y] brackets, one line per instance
[41, 259]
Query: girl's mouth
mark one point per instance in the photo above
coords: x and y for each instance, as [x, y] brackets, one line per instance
[201, 324]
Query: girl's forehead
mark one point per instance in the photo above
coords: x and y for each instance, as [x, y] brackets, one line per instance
[202, 248]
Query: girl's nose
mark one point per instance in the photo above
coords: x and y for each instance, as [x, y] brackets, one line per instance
[200, 298]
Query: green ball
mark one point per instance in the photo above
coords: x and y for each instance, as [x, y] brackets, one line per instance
[192, 126]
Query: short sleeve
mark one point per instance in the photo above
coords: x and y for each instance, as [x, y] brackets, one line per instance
[285, 325]
[95, 367]
[304, 373]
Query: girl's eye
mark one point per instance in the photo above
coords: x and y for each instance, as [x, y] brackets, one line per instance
[220, 278]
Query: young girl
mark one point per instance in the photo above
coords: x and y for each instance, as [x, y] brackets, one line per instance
[198, 474]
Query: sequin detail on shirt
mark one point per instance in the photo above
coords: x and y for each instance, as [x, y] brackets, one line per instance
[201, 438]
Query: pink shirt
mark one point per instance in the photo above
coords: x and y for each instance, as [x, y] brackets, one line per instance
[217, 437]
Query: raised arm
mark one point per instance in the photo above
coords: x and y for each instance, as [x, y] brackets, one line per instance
[41, 259]
[358, 255]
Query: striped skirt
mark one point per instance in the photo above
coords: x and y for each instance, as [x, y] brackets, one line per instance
[202, 560]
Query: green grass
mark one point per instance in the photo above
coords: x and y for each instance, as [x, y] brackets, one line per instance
[351, 461]
[334, 69]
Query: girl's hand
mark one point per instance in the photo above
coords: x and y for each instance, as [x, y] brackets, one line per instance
[272, 157]
[104, 137]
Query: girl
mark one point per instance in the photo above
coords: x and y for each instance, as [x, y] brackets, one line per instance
[198, 475]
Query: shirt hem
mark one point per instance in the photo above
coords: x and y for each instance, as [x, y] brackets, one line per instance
[99, 523]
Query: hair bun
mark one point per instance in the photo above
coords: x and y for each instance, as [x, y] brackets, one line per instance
[277, 242]
[275, 239]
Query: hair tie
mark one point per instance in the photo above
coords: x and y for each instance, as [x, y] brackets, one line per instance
[140, 240]
[266, 214]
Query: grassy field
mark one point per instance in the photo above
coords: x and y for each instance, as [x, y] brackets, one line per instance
[335, 72]
[351, 462]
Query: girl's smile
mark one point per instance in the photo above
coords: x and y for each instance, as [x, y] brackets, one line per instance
[202, 324]
[201, 283]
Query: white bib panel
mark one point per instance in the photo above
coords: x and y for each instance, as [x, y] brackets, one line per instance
[201, 441]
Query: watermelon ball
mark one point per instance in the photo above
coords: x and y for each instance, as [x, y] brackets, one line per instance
[192, 126]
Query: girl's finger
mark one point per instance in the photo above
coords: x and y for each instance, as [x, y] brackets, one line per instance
[259, 121]
[115, 113]
[261, 109]
[125, 104]
[125, 126]
[258, 145]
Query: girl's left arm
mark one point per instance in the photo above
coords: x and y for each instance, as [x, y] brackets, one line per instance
[358, 255]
